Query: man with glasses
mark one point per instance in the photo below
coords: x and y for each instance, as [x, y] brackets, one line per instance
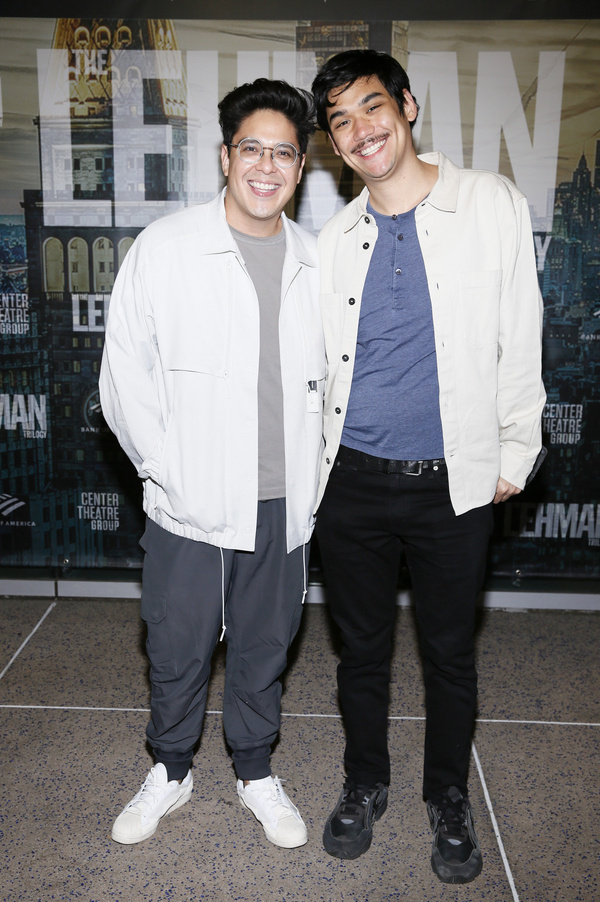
[213, 381]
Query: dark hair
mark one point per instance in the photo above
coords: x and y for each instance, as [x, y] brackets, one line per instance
[264, 94]
[343, 69]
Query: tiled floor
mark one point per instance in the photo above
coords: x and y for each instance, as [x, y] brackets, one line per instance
[74, 700]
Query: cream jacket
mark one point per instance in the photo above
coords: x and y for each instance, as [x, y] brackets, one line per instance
[178, 383]
[475, 234]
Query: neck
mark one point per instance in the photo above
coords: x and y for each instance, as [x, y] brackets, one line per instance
[256, 228]
[405, 190]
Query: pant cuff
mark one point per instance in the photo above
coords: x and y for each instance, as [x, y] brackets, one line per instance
[252, 764]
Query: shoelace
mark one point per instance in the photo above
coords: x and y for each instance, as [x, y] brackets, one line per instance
[355, 801]
[275, 793]
[453, 818]
[147, 794]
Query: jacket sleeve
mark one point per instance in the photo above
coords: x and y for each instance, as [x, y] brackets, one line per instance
[130, 382]
[521, 395]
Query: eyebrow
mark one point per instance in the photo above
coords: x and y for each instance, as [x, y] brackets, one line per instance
[341, 113]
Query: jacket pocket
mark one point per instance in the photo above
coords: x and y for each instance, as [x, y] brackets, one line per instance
[197, 338]
[480, 305]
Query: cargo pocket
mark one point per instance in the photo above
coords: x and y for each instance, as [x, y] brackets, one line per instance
[158, 640]
[154, 606]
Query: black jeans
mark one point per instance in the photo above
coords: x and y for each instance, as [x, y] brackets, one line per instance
[365, 520]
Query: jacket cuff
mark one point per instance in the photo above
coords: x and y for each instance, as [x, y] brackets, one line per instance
[515, 468]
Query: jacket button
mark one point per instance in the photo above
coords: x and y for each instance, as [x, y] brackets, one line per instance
[366, 245]
[351, 301]
[327, 460]
[367, 220]
[345, 358]
[338, 409]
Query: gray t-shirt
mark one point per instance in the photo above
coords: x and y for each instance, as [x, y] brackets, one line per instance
[264, 261]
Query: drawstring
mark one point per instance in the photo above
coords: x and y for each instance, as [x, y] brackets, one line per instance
[304, 589]
[304, 572]
[222, 596]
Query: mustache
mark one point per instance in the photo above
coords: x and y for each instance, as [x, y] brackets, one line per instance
[366, 142]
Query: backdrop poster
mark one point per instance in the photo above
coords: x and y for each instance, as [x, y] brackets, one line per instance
[108, 124]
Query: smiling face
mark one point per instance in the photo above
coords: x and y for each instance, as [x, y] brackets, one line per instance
[258, 192]
[368, 131]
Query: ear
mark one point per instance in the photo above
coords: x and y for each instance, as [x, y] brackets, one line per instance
[301, 168]
[225, 160]
[410, 107]
[334, 145]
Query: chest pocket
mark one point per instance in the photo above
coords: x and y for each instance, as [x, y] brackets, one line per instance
[480, 305]
[196, 330]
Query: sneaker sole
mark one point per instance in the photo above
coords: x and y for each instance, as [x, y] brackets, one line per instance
[349, 850]
[270, 836]
[458, 873]
[128, 840]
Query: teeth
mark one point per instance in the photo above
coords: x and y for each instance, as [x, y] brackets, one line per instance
[263, 186]
[372, 148]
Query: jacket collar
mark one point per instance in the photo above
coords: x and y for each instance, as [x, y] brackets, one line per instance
[217, 237]
[443, 195]
[303, 251]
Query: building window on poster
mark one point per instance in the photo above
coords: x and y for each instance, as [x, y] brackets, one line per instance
[102, 256]
[79, 271]
[123, 247]
[54, 265]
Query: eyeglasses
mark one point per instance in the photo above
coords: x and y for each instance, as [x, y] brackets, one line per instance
[250, 150]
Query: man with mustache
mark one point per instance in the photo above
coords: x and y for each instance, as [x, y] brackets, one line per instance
[432, 318]
[213, 379]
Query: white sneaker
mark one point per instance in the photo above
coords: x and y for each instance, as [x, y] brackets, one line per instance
[157, 797]
[269, 804]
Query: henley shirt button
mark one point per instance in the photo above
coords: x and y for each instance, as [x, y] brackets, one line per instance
[398, 272]
[394, 216]
[366, 245]
[345, 358]
[338, 409]
[351, 301]
[400, 237]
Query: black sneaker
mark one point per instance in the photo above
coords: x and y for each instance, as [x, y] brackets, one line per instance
[455, 854]
[349, 829]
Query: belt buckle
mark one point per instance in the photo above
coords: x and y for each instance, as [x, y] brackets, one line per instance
[420, 470]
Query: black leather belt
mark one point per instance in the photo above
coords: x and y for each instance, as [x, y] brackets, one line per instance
[362, 461]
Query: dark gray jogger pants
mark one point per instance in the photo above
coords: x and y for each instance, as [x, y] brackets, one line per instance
[184, 583]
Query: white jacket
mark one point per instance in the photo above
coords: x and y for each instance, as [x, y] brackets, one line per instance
[178, 383]
[475, 235]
